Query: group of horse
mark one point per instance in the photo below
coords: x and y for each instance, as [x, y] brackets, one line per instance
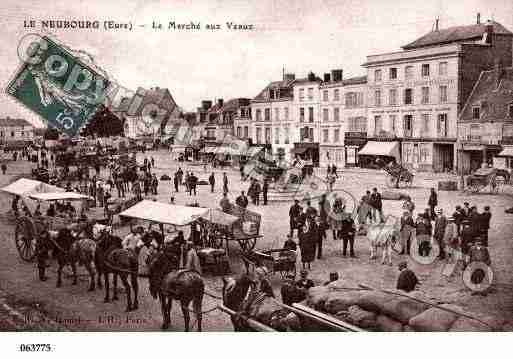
[102, 255]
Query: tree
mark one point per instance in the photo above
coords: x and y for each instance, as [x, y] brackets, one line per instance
[104, 124]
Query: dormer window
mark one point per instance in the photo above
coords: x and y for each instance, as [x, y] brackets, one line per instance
[476, 113]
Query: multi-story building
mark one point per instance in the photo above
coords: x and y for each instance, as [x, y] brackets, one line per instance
[15, 130]
[331, 137]
[241, 112]
[272, 118]
[485, 125]
[306, 118]
[415, 95]
[354, 118]
[147, 112]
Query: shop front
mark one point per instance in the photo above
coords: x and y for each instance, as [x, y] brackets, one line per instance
[306, 151]
[353, 143]
[376, 154]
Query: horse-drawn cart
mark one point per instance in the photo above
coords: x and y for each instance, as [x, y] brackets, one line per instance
[282, 261]
[483, 177]
[28, 225]
[397, 174]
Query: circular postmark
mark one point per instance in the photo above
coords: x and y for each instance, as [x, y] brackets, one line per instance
[478, 276]
[424, 250]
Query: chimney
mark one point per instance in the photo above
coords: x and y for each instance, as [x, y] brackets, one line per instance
[488, 32]
[311, 76]
[220, 102]
[479, 18]
[327, 77]
[289, 77]
[436, 24]
[336, 75]
[497, 72]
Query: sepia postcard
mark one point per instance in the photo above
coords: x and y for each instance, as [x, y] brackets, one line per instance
[255, 166]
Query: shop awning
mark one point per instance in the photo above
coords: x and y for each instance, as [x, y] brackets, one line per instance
[376, 148]
[506, 152]
[164, 213]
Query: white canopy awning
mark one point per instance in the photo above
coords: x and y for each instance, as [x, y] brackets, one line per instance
[375, 148]
[25, 187]
[164, 213]
[59, 196]
[506, 152]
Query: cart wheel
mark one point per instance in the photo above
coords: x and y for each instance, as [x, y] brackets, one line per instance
[25, 239]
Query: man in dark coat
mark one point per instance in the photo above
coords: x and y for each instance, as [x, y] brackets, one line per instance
[294, 213]
[486, 216]
[432, 203]
[407, 280]
[212, 181]
[308, 242]
[256, 193]
[265, 189]
[439, 232]
[193, 183]
[225, 183]
[347, 233]
[377, 205]
[176, 181]
[311, 212]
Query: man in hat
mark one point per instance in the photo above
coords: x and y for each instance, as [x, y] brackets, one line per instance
[432, 203]
[242, 200]
[407, 280]
[439, 232]
[486, 216]
[294, 213]
[407, 231]
[347, 233]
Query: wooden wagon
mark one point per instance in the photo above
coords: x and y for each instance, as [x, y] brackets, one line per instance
[487, 177]
[397, 174]
[282, 261]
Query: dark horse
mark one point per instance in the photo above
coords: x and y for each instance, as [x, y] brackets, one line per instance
[69, 250]
[111, 258]
[241, 295]
[168, 284]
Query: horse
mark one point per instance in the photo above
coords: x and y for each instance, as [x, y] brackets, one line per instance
[111, 258]
[167, 283]
[241, 294]
[384, 236]
[69, 250]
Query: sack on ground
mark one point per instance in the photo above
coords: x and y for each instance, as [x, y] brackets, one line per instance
[361, 318]
[341, 300]
[435, 319]
[386, 324]
[317, 296]
[464, 324]
[403, 309]
[373, 301]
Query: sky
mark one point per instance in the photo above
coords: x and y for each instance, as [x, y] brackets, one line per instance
[296, 35]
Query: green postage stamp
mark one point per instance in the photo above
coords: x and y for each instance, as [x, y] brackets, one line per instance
[57, 85]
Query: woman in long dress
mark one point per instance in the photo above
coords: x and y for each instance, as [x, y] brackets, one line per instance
[308, 242]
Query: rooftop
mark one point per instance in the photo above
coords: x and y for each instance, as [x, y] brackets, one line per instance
[493, 100]
[456, 34]
[12, 122]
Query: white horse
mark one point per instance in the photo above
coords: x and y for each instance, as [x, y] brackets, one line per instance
[384, 236]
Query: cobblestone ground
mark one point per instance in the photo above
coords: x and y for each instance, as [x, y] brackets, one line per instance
[77, 309]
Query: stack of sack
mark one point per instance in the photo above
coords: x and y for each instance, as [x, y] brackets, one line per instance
[377, 311]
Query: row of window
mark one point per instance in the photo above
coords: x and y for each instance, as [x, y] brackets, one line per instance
[267, 114]
[326, 114]
[425, 71]
[326, 135]
[408, 96]
[13, 134]
[424, 127]
[476, 112]
[326, 95]
[277, 138]
[242, 132]
[310, 94]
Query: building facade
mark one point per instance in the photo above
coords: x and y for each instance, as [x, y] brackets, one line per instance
[15, 130]
[331, 136]
[354, 118]
[414, 96]
[485, 126]
[272, 121]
